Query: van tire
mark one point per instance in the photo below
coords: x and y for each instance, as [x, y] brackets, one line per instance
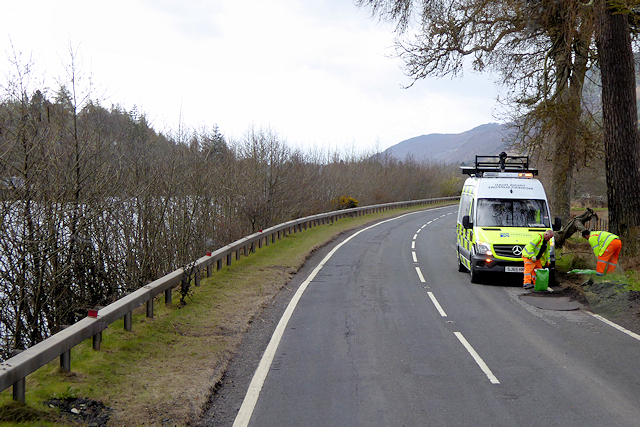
[475, 276]
[461, 267]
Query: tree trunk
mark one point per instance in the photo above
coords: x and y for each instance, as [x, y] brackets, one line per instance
[620, 119]
[564, 163]
[571, 63]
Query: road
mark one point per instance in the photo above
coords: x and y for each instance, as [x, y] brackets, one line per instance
[388, 333]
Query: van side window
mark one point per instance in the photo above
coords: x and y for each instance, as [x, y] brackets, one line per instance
[465, 202]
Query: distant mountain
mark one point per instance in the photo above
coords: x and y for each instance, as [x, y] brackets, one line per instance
[485, 139]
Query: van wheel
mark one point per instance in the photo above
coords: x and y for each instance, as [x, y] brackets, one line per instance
[475, 276]
[461, 267]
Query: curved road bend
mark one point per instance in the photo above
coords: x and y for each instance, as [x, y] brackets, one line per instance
[388, 333]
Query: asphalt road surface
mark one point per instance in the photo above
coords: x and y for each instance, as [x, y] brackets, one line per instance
[387, 332]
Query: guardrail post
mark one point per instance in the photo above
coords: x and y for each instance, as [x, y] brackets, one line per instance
[219, 264]
[260, 243]
[209, 270]
[97, 339]
[237, 254]
[19, 386]
[19, 391]
[196, 271]
[65, 361]
[167, 295]
[150, 308]
[228, 259]
[127, 322]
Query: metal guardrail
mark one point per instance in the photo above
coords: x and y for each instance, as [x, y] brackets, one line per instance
[14, 370]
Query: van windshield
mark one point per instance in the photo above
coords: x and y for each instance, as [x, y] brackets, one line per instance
[512, 213]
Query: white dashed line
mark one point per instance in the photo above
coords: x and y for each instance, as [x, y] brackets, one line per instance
[420, 276]
[415, 258]
[437, 304]
[477, 358]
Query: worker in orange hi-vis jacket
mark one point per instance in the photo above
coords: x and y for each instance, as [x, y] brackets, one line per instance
[606, 246]
[536, 254]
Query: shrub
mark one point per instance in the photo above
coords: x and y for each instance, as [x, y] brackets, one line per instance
[345, 202]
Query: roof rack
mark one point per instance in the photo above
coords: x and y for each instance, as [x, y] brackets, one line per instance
[499, 163]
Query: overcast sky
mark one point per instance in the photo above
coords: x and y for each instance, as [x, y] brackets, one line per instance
[320, 73]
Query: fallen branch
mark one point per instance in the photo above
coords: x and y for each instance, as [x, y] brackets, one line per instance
[574, 225]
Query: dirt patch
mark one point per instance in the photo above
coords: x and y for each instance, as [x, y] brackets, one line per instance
[78, 410]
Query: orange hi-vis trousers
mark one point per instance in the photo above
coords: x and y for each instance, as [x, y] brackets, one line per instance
[608, 261]
[530, 270]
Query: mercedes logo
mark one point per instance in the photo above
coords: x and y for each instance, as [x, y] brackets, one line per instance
[517, 250]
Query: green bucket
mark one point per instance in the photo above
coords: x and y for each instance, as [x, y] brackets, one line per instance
[542, 279]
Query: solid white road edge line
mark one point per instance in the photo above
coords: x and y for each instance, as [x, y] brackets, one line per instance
[251, 398]
[420, 274]
[615, 325]
[437, 304]
[477, 358]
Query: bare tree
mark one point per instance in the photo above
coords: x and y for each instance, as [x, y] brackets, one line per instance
[95, 203]
[541, 50]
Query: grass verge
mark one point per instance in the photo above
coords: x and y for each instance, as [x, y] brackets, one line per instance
[163, 372]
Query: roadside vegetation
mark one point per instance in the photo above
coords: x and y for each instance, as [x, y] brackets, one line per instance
[96, 203]
[163, 372]
[576, 253]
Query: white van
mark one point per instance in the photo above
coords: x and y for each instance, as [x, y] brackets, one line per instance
[501, 207]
